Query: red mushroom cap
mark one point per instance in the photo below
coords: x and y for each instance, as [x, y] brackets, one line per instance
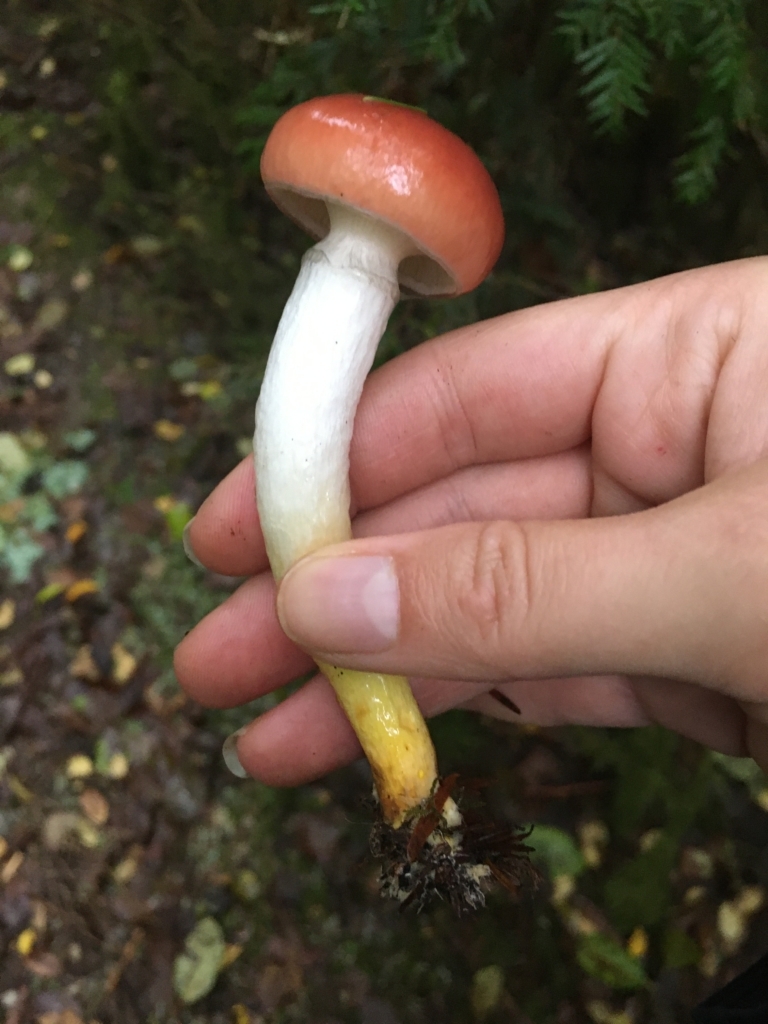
[398, 165]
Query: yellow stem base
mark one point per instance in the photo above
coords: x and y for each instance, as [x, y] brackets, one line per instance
[393, 735]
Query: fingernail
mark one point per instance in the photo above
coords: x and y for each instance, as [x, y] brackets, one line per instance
[187, 544]
[345, 605]
[230, 755]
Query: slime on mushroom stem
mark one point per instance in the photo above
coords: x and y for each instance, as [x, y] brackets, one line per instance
[323, 349]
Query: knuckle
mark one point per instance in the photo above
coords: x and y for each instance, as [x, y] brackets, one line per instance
[495, 599]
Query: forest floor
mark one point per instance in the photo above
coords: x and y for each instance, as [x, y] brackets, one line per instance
[139, 880]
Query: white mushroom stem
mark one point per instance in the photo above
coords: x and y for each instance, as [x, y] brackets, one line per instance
[323, 349]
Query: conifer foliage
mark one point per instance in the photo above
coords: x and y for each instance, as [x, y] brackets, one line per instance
[630, 51]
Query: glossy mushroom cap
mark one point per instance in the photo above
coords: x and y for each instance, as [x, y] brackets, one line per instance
[397, 165]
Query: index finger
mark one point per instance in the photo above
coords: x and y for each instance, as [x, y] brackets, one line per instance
[438, 408]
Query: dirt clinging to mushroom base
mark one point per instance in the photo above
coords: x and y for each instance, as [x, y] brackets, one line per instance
[452, 855]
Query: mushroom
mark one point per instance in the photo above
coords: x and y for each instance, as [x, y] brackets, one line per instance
[396, 201]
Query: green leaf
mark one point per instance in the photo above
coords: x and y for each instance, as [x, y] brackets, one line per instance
[196, 969]
[177, 518]
[38, 512]
[80, 440]
[638, 892]
[14, 459]
[63, 478]
[606, 960]
[487, 990]
[19, 555]
[557, 850]
[680, 950]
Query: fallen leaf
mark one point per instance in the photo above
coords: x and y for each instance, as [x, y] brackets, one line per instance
[125, 870]
[19, 790]
[123, 664]
[25, 942]
[95, 806]
[196, 969]
[487, 990]
[11, 866]
[79, 766]
[83, 666]
[164, 503]
[166, 430]
[20, 365]
[20, 258]
[76, 530]
[750, 899]
[637, 944]
[13, 456]
[88, 834]
[50, 315]
[118, 766]
[147, 245]
[11, 676]
[210, 389]
[80, 589]
[231, 952]
[48, 592]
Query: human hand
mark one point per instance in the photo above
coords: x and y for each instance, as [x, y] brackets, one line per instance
[568, 503]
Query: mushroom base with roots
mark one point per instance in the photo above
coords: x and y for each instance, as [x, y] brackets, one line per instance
[453, 856]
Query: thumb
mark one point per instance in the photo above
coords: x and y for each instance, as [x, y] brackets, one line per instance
[641, 594]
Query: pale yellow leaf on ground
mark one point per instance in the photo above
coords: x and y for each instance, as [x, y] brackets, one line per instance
[123, 664]
[79, 766]
[231, 953]
[118, 766]
[196, 969]
[19, 790]
[19, 365]
[51, 314]
[11, 676]
[83, 666]
[166, 430]
[11, 866]
[164, 503]
[7, 613]
[487, 990]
